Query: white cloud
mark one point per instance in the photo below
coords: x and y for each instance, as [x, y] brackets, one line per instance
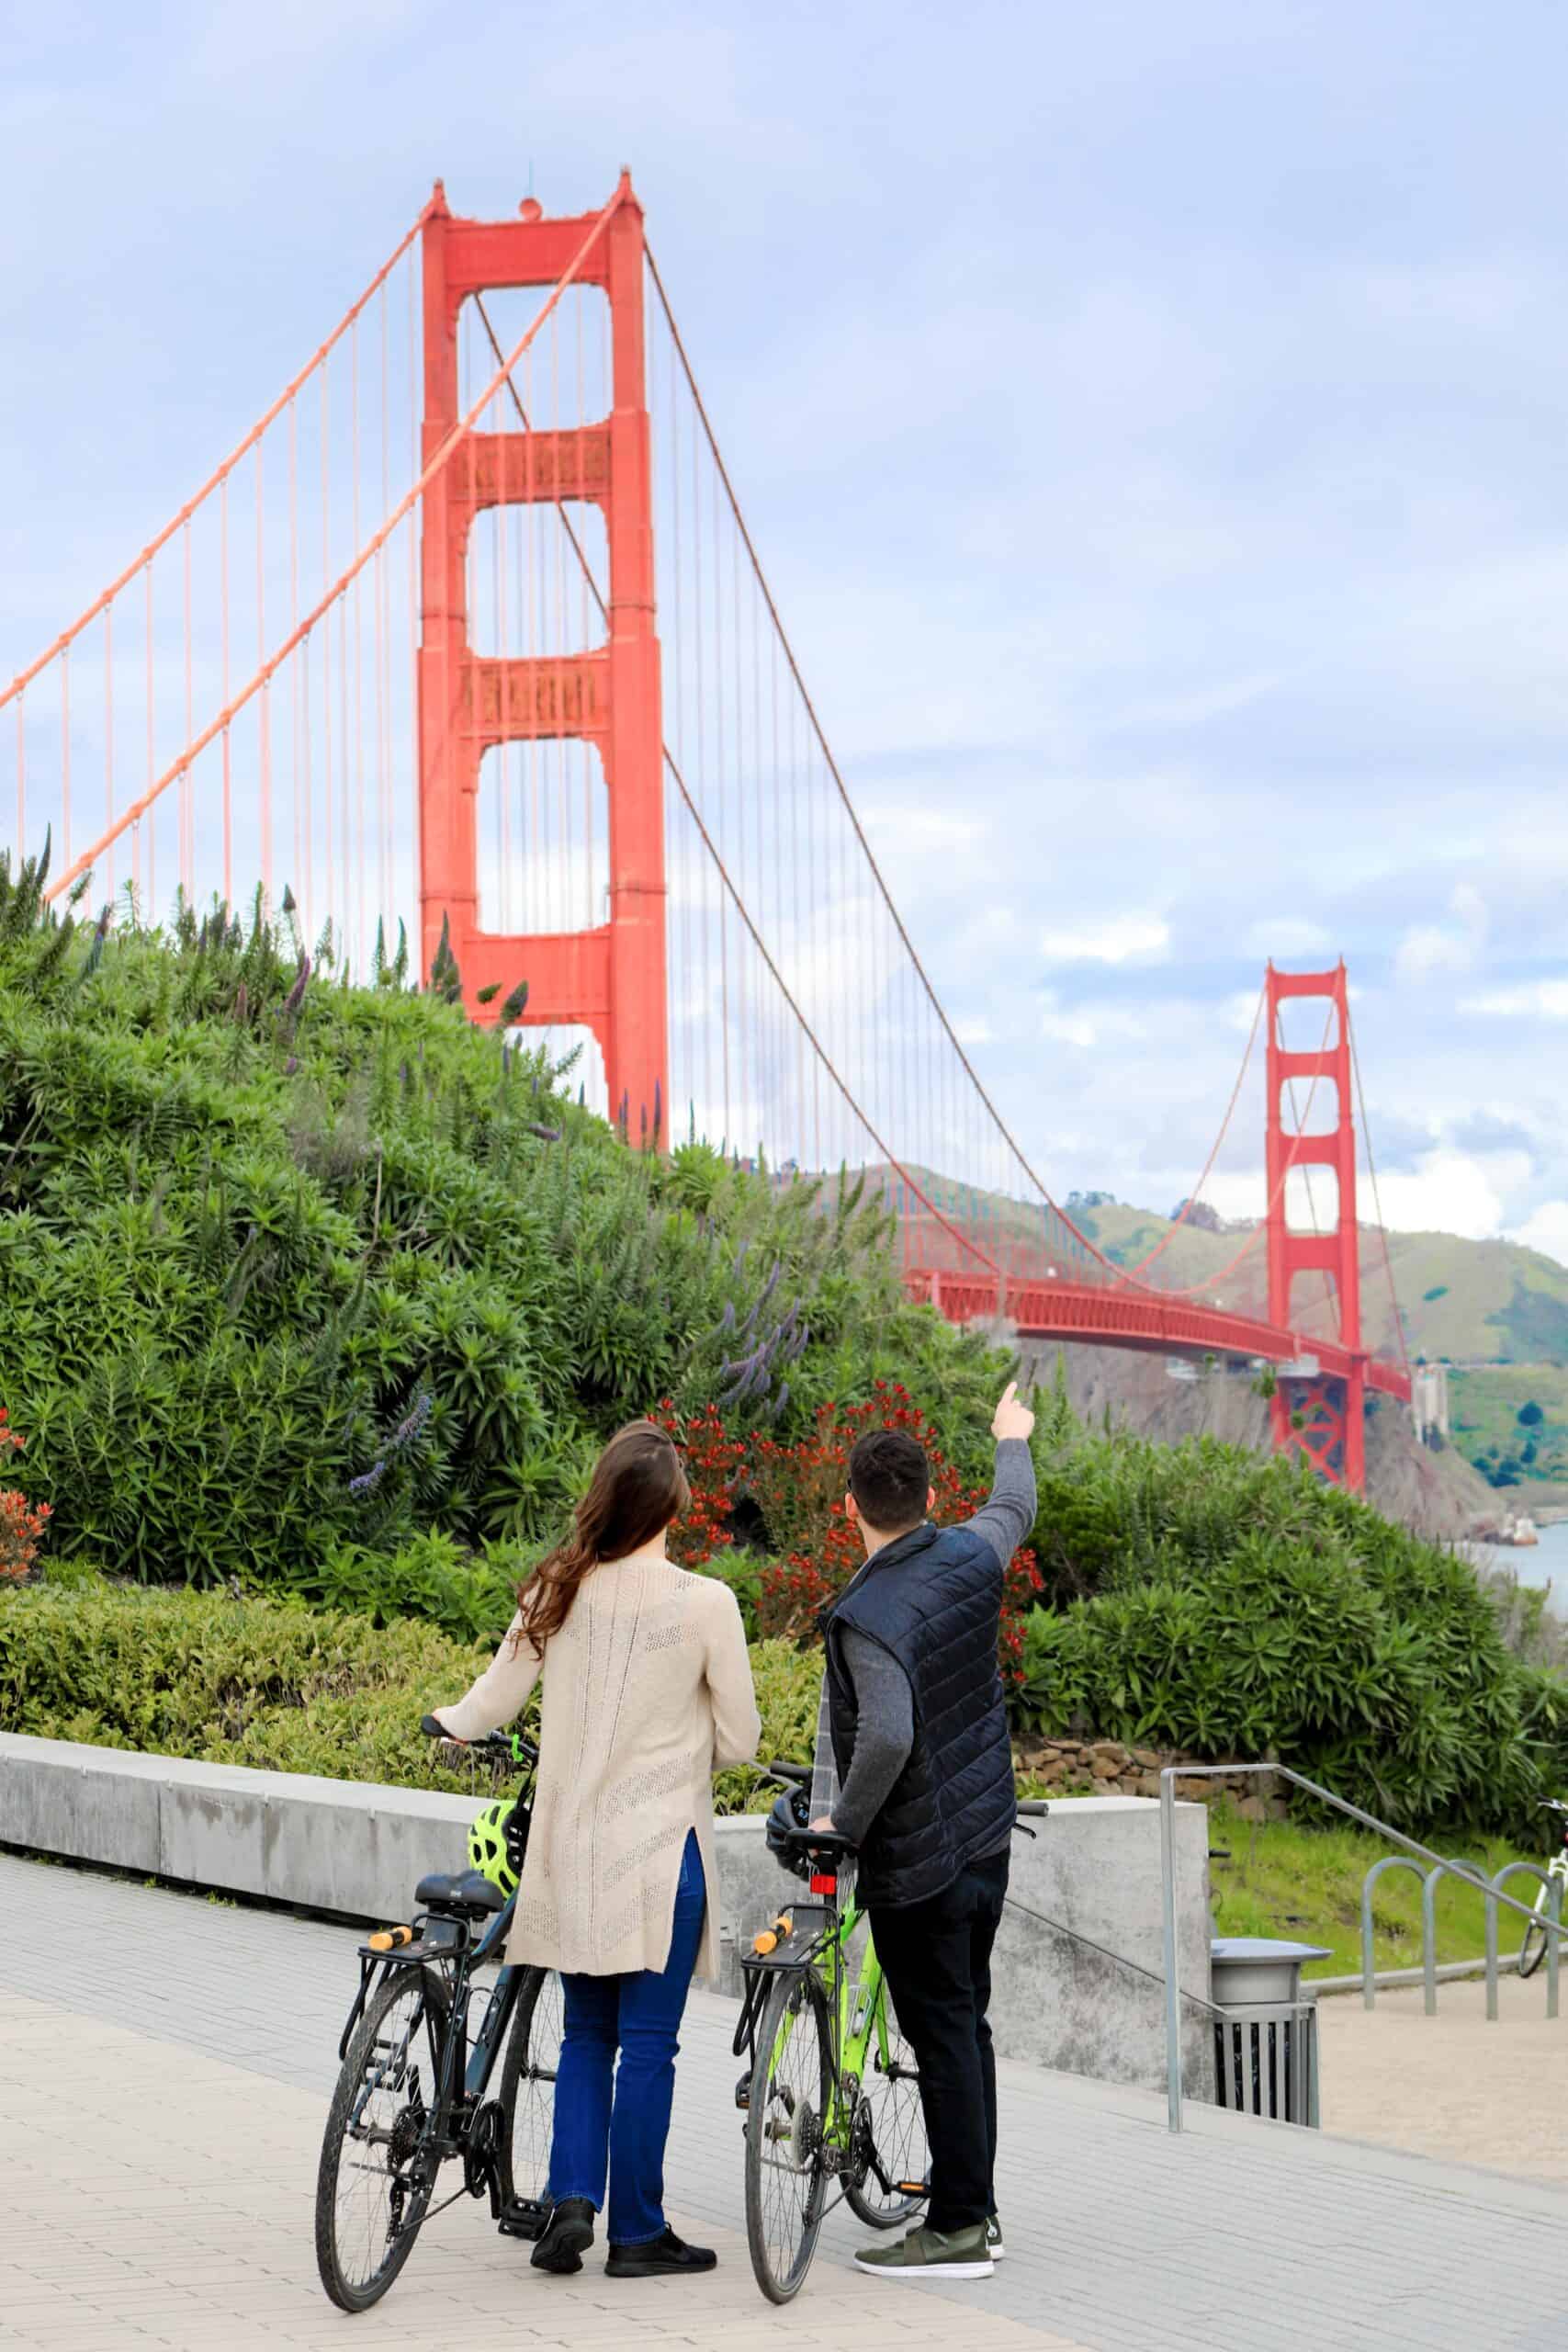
[1240, 1010]
[974, 1033]
[1538, 1000]
[1292, 935]
[1425, 950]
[1449, 1191]
[1068, 1028]
[1116, 939]
[1428, 948]
[1088, 1024]
[1547, 1230]
[925, 831]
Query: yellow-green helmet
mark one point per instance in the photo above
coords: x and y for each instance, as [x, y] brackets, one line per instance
[487, 1846]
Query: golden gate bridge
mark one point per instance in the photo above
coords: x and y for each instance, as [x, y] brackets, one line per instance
[469, 634]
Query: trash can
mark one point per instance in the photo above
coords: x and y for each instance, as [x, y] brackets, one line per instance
[1266, 2042]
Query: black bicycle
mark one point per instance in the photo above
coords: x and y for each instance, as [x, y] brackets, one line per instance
[413, 2089]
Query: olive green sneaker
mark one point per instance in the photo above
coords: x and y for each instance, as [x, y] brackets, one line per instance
[993, 2238]
[926, 2253]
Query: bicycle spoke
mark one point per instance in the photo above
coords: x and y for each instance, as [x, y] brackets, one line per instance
[377, 2173]
[891, 2128]
[788, 2166]
[528, 2087]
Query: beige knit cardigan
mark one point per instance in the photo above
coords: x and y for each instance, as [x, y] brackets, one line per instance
[646, 1693]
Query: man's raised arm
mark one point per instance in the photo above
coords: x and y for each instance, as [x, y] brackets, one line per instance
[1006, 1519]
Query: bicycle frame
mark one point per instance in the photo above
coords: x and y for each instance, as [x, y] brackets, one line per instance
[450, 1945]
[856, 2012]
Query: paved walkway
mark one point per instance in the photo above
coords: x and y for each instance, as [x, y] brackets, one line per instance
[1453, 2086]
[169, 2059]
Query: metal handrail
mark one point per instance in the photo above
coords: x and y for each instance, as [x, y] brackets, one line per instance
[1169, 1774]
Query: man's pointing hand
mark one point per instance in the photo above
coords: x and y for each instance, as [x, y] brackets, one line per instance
[1011, 1418]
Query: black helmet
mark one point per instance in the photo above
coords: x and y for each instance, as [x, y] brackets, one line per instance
[791, 1814]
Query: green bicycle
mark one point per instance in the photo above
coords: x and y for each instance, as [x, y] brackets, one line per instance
[831, 2096]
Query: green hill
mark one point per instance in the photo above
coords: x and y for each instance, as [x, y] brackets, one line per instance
[1496, 1313]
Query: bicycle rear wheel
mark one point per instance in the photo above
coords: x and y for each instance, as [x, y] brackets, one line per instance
[890, 2129]
[791, 2102]
[376, 2175]
[528, 2087]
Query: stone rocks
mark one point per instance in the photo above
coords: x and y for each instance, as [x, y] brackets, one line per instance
[1105, 1767]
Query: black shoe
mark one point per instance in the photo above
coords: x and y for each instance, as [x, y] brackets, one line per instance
[660, 2258]
[568, 2230]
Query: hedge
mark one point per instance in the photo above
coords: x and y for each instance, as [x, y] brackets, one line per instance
[284, 1687]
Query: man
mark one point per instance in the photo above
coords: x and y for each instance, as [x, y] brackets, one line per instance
[917, 1728]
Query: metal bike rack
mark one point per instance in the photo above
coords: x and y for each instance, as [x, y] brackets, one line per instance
[1369, 1973]
[1470, 1872]
[1554, 1929]
[1495, 1895]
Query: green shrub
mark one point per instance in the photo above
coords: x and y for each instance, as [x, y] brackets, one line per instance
[291, 1270]
[1380, 1672]
[281, 1685]
[470, 1597]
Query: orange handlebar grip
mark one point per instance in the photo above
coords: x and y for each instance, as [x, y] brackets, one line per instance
[391, 1938]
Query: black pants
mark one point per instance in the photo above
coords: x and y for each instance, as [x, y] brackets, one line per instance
[936, 1956]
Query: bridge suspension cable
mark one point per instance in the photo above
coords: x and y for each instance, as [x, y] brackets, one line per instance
[257, 668]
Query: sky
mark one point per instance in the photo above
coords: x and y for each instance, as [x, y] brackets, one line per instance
[1153, 421]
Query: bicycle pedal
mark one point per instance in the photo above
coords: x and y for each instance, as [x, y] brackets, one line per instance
[743, 2092]
[524, 2217]
[913, 2187]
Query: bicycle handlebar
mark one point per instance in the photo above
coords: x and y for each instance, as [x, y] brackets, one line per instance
[510, 1745]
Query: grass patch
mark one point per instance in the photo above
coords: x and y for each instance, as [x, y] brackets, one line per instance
[1285, 1879]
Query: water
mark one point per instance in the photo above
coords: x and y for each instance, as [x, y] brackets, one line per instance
[1545, 1562]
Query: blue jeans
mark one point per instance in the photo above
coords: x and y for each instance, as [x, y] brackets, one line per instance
[624, 2135]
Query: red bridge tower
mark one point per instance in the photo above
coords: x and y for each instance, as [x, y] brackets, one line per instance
[612, 978]
[1324, 1417]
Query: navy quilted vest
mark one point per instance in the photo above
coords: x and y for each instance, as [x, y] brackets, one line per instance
[934, 1598]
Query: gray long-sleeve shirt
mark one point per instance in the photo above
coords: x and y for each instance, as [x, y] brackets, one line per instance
[885, 1729]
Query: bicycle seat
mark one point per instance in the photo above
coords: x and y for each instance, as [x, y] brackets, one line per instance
[462, 1894]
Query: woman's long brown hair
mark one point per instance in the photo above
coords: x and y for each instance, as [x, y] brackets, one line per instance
[638, 1488]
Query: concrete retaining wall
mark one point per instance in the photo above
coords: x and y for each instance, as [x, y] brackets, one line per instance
[359, 1848]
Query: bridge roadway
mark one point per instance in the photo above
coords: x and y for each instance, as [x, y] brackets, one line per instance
[1107, 1317]
[167, 2063]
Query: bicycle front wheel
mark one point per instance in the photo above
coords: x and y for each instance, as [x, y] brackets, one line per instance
[892, 2155]
[791, 2098]
[377, 2171]
[1533, 1951]
[528, 2087]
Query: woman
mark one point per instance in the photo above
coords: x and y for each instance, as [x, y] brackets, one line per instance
[646, 1692]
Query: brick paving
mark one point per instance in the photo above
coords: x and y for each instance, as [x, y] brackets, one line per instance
[166, 2063]
[1453, 2086]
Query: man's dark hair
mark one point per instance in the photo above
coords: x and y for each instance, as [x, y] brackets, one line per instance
[889, 1479]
